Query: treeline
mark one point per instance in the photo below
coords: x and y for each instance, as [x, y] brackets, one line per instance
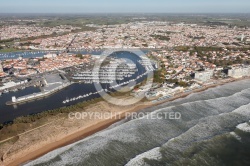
[159, 75]
[179, 83]
[197, 37]
[197, 49]
[206, 49]
[54, 34]
[243, 49]
[225, 63]
[42, 36]
[6, 40]
[62, 110]
[28, 43]
[160, 37]
[83, 28]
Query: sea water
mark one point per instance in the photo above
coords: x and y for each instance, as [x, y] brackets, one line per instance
[213, 130]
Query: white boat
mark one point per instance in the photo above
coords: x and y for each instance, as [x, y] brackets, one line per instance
[6, 91]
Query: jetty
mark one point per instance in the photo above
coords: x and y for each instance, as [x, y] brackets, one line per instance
[53, 84]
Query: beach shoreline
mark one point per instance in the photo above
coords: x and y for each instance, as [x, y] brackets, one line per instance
[93, 128]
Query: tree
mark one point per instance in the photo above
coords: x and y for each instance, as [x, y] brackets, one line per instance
[183, 84]
[79, 55]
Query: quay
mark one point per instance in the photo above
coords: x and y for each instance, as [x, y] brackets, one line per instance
[54, 83]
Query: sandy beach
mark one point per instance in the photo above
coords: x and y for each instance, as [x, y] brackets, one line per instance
[64, 131]
[35, 144]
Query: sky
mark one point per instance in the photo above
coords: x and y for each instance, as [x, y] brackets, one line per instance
[124, 6]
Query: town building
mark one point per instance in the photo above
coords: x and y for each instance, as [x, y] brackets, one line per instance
[1, 67]
[239, 72]
[204, 76]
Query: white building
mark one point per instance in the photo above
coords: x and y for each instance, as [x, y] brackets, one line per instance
[204, 76]
[239, 72]
[1, 67]
[12, 84]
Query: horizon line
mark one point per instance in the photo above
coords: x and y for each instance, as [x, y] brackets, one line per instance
[124, 12]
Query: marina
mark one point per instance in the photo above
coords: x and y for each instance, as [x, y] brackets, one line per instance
[24, 54]
[117, 70]
[41, 53]
[108, 89]
[69, 95]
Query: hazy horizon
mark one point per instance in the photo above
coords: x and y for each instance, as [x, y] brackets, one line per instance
[112, 6]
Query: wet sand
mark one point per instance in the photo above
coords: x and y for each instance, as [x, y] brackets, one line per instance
[92, 129]
[69, 139]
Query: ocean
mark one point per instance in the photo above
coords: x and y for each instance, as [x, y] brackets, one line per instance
[213, 130]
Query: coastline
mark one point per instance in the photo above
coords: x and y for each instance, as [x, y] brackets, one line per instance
[93, 127]
[69, 139]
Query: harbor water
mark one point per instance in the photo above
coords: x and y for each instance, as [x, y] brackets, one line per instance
[8, 113]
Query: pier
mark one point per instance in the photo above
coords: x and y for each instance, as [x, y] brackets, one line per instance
[54, 83]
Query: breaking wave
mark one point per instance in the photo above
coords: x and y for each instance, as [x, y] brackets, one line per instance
[207, 118]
